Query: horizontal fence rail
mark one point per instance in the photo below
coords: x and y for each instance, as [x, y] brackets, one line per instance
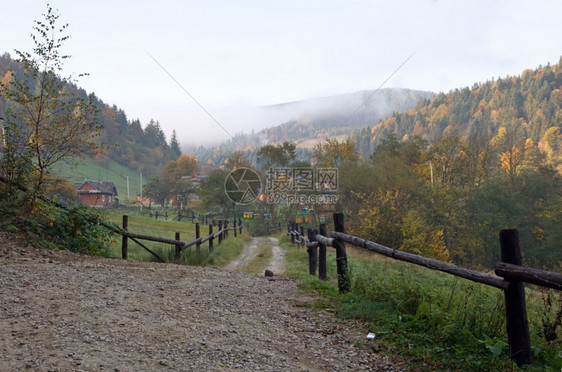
[510, 273]
[430, 263]
[179, 245]
[530, 275]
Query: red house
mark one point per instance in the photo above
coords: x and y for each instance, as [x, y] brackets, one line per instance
[97, 194]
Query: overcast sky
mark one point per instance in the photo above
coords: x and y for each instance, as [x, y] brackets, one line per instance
[249, 53]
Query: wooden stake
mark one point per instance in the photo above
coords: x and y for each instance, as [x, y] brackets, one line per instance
[515, 304]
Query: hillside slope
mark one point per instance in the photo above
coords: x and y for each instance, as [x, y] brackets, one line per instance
[141, 147]
[108, 171]
[527, 109]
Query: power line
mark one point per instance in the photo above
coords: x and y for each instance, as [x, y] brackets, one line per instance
[194, 100]
[379, 88]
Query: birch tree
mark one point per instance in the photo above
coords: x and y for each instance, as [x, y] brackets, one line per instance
[46, 121]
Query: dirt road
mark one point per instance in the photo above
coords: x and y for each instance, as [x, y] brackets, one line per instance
[250, 251]
[64, 312]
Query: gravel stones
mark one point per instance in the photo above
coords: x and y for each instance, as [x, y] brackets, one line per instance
[61, 311]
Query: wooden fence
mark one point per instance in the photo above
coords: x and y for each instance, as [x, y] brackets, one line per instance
[510, 278]
[179, 245]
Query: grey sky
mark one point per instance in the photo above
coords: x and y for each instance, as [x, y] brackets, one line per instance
[248, 53]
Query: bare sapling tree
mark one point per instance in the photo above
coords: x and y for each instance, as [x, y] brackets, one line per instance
[47, 119]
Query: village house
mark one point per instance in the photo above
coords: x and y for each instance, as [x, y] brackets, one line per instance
[188, 192]
[97, 194]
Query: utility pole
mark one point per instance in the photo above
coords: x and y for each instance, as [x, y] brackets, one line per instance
[141, 191]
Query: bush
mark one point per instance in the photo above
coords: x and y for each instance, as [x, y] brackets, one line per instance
[76, 228]
[79, 229]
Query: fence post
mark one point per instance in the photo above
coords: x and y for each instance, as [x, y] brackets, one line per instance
[197, 236]
[235, 230]
[515, 304]
[240, 226]
[226, 229]
[312, 253]
[220, 228]
[341, 256]
[291, 229]
[125, 241]
[303, 240]
[178, 248]
[211, 238]
[322, 255]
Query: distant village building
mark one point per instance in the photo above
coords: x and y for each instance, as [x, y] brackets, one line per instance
[97, 194]
[188, 192]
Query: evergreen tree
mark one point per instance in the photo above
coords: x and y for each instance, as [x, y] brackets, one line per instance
[175, 150]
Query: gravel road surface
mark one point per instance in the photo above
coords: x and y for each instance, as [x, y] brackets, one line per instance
[65, 312]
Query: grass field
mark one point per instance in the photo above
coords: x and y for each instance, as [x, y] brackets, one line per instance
[113, 172]
[143, 224]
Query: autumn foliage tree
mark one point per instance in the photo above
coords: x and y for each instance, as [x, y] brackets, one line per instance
[44, 122]
[332, 152]
[449, 200]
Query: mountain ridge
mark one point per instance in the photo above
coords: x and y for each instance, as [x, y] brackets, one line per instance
[309, 121]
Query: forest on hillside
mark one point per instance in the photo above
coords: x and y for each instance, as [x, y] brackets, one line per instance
[141, 148]
[340, 115]
[525, 109]
[444, 178]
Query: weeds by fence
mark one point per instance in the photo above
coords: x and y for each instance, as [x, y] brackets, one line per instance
[511, 275]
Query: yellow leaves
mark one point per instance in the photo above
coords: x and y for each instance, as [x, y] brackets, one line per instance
[511, 159]
[551, 146]
[496, 116]
[6, 79]
[539, 115]
[421, 239]
[187, 164]
[538, 233]
[332, 152]
[499, 138]
[552, 138]
[439, 114]
[527, 73]
[418, 128]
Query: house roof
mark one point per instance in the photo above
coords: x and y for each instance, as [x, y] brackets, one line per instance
[193, 178]
[98, 187]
